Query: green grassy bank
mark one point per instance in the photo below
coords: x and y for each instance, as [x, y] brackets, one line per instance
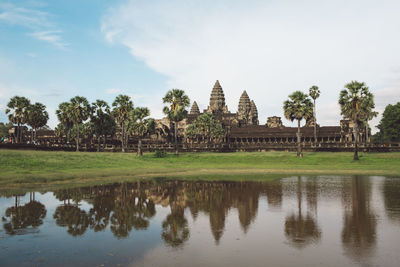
[20, 168]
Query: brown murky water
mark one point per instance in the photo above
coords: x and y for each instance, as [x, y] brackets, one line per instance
[295, 221]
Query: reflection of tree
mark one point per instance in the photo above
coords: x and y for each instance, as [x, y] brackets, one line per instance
[301, 230]
[73, 217]
[391, 189]
[22, 217]
[359, 230]
[175, 228]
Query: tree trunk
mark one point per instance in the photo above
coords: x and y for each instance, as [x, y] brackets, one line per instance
[77, 138]
[18, 133]
[366, 132]
[68, 135]
[176, 137]
[123, 137]
[139, 150]
[32, 136]
[355, 133]
[299, 153]
[104, 142]
[315, 126]
[98, 143]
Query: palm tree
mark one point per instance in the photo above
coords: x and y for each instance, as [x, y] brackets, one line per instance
[314, 94]
[356, 104]
[37, 117]
[298, 107]
[101, 117]
[79, 112]
[63, 116]
[17, 113]
[140, 126]
[122, 107]
[177, 110]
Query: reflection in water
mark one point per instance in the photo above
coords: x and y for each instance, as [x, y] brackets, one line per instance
[299, 205]
[18, 219]
[359, 229]
[301, 230]
[391, 193]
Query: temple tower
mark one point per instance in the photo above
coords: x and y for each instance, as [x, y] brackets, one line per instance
[244, 108]
[253, 113]
[217, 100]
[195, 109]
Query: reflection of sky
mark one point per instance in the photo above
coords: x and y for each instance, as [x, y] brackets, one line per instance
[263, 244]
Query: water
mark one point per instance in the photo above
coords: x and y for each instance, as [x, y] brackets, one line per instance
[295, 221]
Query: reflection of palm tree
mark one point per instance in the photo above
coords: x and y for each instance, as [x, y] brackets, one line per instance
[22, 217]
[100, 213]
[74, 218]
[299, 230]
[359, 230]
[175, 228]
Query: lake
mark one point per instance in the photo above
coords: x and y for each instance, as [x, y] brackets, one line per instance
[294, 221]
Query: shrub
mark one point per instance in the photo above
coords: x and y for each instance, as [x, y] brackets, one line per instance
[160, 154]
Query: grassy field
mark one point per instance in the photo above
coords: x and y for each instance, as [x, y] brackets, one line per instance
[20, 168]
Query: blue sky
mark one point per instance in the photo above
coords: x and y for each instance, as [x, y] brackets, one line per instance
[51, 51]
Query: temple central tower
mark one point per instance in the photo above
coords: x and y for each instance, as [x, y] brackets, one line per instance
[217, 100]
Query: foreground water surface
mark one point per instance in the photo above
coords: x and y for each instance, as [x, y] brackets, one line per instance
[302, 221]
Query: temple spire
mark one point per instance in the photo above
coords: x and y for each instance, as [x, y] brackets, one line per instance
[217, 100]
[195, 109]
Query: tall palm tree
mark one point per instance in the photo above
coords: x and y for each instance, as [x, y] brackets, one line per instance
[356, 104]
[37, 117]
[100, 117]
[314, 94]
[17, 113]
[176, 112]
[123, 105]
[141, 126]
[298, 107]
[79, 112]
[63, 116]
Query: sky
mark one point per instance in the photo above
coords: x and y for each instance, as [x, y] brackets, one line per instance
[51, 51]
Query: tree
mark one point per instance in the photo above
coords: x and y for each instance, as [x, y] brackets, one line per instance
[205, 125]
[17, 113]
[63, 115]
[314, 94]
[389, 126]
[140, 126]
[356, 104]
[4, 128]
[103, 123]
[122, 108]
[298, 107]
[37, 117]
[176, 112]
[79, 112]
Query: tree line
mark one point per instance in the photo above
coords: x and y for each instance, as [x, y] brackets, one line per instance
[98, 119]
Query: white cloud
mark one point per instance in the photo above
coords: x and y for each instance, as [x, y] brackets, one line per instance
[114, 91]
[52, 37]
[269, 48]
[37, 21]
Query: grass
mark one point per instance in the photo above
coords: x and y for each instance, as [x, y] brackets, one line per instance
[33, 169]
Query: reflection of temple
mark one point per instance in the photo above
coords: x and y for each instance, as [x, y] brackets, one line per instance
[129, 206]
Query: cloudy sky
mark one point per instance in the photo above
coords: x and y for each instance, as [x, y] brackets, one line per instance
[51, 51]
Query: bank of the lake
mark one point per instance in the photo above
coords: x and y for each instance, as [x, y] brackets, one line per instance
[22, 168]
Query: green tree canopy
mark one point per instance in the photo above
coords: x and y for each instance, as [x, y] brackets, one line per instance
[389, 126]
[103, 122]
[205, 125]
[64, 117]
[79, 112]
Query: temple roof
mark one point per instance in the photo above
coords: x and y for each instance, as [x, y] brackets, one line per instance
[253, 108]
[217, 98]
